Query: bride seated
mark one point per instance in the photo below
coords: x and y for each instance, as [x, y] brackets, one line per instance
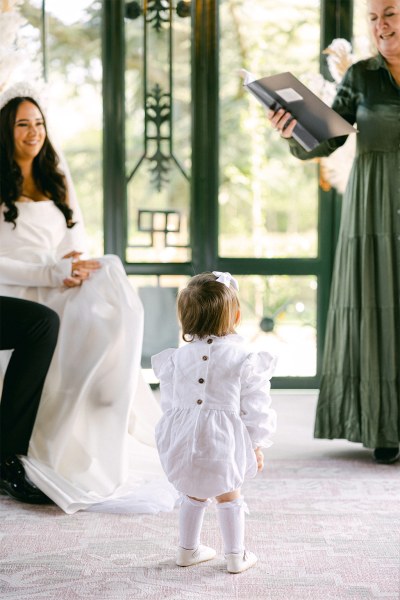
[93, 441]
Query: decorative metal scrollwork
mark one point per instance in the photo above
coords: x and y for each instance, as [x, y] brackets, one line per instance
[133, 10]
[157, 13]
[183, 8]
[163, 222]
[158, 112]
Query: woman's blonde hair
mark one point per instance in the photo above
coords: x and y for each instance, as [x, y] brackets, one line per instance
[207, 307]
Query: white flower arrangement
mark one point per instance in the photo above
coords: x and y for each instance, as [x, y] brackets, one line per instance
[339, 58]
[11, 54]
[8, 5]
[10, 22]
[15, 62]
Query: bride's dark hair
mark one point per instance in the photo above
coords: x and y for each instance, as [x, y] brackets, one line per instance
[48, 177]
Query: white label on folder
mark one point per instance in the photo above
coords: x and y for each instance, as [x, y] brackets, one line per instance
[289, 95]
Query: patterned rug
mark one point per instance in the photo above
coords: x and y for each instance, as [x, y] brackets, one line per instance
[323, 530]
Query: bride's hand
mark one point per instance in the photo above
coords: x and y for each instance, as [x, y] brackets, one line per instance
[282, 121]
[80, 270]
[71, 282]
[74, 254]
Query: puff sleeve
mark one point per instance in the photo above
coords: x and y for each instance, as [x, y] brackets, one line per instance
[163, 367]
[255, 400]
[18, 272]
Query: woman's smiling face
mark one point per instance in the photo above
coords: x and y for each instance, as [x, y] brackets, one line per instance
[384, 23]
[29, 131]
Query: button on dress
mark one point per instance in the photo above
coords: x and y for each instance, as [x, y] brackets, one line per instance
[215, 412]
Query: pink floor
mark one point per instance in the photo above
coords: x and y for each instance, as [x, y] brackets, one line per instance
[324, 521]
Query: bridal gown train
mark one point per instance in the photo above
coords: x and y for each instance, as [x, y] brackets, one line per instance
[93, 441]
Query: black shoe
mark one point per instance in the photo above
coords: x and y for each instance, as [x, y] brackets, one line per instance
[14, 483]
[386, 456]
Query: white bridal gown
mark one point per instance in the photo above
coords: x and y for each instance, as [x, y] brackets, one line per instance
[93, 441]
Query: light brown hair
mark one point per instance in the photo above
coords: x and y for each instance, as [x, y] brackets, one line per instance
[207, 307]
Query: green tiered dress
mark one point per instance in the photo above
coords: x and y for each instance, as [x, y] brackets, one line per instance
[359, 396]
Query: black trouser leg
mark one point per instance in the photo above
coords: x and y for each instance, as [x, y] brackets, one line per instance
[31, 330]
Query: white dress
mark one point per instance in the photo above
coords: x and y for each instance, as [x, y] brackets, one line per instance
[216, 404]
[93, 439]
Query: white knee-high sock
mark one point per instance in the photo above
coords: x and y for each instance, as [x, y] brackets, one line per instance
[191, 515]
[231, 518]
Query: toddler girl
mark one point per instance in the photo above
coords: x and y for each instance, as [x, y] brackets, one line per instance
[216, 417]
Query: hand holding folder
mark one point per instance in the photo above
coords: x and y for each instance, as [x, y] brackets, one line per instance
[316, 121]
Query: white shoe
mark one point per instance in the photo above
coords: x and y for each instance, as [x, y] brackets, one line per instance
[187, 558]
[236, 563]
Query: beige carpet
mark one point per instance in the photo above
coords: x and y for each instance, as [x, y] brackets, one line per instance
[324, 521]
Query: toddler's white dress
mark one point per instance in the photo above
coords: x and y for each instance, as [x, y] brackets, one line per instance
[216, 410]
[93, 441]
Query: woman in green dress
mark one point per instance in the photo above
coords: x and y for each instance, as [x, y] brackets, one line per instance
[359, 397]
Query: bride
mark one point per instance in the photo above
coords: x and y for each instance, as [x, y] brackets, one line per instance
[92, 445]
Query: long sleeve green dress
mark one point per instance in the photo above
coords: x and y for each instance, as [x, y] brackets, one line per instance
[359, 397]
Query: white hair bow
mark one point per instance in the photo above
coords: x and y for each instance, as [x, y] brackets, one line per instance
[227, 279]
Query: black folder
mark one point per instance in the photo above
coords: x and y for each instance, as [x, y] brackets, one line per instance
[316, 121]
